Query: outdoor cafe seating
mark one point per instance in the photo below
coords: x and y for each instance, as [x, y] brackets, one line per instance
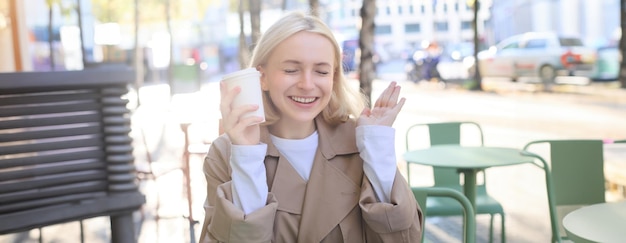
[576, 176]
[451, 133]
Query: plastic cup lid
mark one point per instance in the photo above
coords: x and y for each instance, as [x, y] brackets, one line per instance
[242, 72]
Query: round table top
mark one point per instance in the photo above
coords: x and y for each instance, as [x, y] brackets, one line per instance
[455, 156]
[603, 222]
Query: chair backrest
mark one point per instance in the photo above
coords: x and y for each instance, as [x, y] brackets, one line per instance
[469, 217]
[577, 174]
[439, 134]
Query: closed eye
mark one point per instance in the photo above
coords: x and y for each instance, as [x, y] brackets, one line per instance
[323, 72]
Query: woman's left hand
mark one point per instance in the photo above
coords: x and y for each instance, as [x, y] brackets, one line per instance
[385, 109]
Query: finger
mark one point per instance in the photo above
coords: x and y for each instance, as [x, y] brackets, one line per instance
[242, 132]
[238, 112]
[384, 97]
[243, 123]
[400, 104]
[393, 113]
[393, 98]
[222, 95]
[227, 97]
[233, 118]
[249, 121]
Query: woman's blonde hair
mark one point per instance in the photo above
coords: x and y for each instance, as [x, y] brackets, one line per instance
[345, 102]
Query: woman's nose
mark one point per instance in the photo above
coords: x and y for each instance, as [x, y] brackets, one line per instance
[306, 81]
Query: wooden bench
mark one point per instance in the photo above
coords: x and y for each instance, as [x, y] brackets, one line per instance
[65, 150]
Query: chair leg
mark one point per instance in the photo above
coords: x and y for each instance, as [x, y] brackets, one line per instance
[82, 232]
[503, 231]
[491, 228]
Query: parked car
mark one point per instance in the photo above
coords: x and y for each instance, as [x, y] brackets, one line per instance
[538, 54]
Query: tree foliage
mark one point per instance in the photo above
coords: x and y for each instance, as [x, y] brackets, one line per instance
[151, 11]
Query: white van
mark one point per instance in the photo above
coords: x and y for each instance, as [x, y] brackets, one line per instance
[538, 54]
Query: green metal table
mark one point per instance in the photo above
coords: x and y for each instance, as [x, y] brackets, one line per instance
[467, 160]
[603, 222]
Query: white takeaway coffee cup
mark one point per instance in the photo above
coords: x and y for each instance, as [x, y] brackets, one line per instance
[249, 80]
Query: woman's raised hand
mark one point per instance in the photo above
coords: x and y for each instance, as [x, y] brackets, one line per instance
[385, 109]
[240, 130]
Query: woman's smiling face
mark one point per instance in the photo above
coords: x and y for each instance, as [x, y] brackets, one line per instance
[299, 76]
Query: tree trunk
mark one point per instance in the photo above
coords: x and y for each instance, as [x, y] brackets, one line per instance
[366, 44]
[477, 77]
[255, 20]
[169, 75]
[79, 11]
[314, 5]
[138, 53]
[51, 37]
[243, 46]
[200, 45]
[622, 45]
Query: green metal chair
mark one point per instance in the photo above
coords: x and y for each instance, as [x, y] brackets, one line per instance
[422, 194]
[575, 177]
[450, 133]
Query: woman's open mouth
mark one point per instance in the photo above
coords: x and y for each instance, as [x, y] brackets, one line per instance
[303, 100]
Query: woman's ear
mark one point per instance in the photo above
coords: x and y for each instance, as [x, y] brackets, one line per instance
[263, 78]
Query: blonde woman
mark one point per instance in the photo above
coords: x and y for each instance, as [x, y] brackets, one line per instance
[321, 168]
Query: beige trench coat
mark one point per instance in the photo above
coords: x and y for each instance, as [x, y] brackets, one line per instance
[337, 204]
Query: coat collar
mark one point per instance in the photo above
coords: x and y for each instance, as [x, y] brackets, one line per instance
[334, 140]
[330, 193]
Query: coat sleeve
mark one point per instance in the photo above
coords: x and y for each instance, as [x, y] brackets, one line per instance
[398, 221]
[224, 221]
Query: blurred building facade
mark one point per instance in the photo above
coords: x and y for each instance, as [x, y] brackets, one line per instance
[404, 24]
[401, 25]
[597, 22]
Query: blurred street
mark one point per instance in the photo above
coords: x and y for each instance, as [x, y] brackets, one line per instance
[511, 115]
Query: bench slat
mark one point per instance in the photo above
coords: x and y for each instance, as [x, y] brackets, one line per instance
[53, 145]
[65, 120]
[43, 159]
[32, 134]
[46, 192]
[49, 109]
[15, 207]
[50, 97]
[52, 180]
[51, 169]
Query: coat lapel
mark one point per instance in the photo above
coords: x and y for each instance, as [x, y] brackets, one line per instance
[282, 179]
[288, 187]
[331, 192]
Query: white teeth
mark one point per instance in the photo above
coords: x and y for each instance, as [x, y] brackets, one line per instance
[302, 99]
